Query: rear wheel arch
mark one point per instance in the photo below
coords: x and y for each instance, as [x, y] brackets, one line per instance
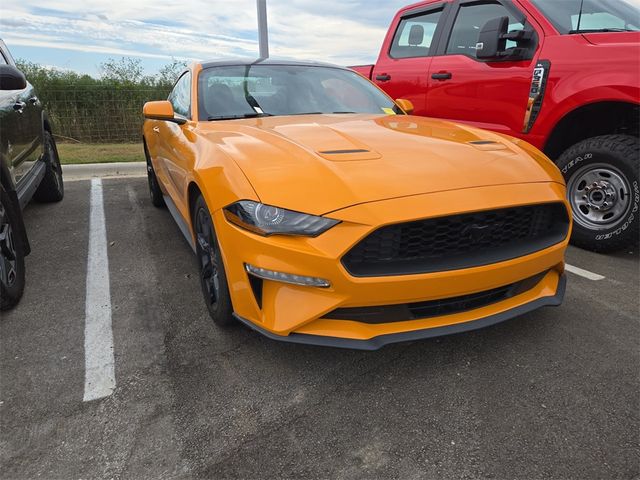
[46, 123]
[5, 175]
[46, 127]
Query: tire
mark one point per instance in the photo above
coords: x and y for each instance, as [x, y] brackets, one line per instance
[51, 188]
[213, 277]
[604, 191]
[12, 251]
[155, 193]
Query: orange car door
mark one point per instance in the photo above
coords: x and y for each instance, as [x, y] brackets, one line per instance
[178, 145]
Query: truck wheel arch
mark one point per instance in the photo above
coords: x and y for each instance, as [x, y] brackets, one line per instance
[592, 120]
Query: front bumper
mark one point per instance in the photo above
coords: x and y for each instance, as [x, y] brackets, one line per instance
[297, 313]
[380, 341]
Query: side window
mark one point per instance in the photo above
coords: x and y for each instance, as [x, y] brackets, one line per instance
[414, 35]
[469, 22]
[3, 61]
[180, 96]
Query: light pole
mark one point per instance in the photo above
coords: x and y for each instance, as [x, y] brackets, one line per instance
[263, 33]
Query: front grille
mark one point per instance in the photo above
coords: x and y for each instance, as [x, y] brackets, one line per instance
[433, 308]
[458, 241]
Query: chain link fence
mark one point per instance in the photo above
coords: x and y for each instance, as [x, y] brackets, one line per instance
[99, 113]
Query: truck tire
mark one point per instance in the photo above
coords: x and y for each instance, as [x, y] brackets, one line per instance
[51, 188]
[604, 191]
[12, 251]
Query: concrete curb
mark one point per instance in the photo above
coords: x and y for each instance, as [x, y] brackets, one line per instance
[89, 170]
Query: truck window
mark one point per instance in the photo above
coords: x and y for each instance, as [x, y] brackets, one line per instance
[469, 22]
[414, 35]
[593, 15]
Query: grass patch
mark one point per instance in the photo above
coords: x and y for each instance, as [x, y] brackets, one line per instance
[75, 153]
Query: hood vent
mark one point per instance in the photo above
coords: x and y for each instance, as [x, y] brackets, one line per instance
[339, 152]
[349, 154]
[489, 146]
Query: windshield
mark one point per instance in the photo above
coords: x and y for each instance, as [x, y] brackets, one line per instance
[243, 91]
[582, 16]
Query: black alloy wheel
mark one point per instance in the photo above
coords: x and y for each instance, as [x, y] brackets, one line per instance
[213, 278]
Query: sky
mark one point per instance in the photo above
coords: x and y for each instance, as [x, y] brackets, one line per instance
[81, 34]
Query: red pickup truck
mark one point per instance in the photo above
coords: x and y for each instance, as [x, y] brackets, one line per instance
[564, 75]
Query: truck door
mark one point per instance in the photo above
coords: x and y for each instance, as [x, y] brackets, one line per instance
[486, 94]
[402, 68]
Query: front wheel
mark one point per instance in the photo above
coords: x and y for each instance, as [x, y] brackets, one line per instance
[604, 191]
[213, 278]
[12, 251]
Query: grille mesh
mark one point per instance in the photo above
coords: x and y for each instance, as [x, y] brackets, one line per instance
[458, 241]
[433, 308]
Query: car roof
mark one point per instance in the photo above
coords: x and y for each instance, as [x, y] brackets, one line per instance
[264, 61]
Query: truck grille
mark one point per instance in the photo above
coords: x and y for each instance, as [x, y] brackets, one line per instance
[458, 241]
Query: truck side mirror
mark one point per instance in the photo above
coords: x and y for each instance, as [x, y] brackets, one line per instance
[490, 41]
[11, 78]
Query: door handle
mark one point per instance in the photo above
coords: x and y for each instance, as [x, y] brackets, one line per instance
[33, 100]
[441, 76]
[19, 106]
[385, 77]
[156, 129]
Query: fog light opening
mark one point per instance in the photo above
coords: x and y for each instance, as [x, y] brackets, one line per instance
[287, 277]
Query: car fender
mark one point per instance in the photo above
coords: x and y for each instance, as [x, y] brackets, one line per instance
[8, 185]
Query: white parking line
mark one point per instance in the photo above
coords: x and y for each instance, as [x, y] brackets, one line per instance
[99, 373]
[583, 273]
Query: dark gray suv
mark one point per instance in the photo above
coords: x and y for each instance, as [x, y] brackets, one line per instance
[29, 168]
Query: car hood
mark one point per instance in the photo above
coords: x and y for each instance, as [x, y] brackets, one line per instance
[322, 163]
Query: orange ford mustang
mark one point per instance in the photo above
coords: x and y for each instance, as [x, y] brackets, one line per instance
[321, 213]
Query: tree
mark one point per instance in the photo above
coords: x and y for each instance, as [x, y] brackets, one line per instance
[127, 70]
[169, 73]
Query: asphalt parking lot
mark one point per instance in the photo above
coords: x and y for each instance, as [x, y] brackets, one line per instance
[552, 394]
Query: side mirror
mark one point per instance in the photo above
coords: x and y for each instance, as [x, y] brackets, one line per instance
[161, 110]
[405, 105]
[490, 42]
[11, 78]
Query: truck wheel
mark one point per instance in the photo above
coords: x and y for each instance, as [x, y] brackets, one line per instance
[51, 188]
[604, 191]
[11, 253]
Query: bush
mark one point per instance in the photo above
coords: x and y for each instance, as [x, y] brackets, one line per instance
[104, 110]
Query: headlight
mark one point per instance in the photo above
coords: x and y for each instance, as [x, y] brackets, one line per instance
[268, 220]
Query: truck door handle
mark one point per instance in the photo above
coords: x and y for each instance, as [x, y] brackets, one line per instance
[385, 77]
[156, 129]
[19, 106]
[441, 76]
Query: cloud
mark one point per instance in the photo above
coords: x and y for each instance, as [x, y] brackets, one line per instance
[340, 31]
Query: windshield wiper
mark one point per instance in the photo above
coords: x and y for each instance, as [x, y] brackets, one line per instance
[344, 112]
[235, 117]
[595, 30]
